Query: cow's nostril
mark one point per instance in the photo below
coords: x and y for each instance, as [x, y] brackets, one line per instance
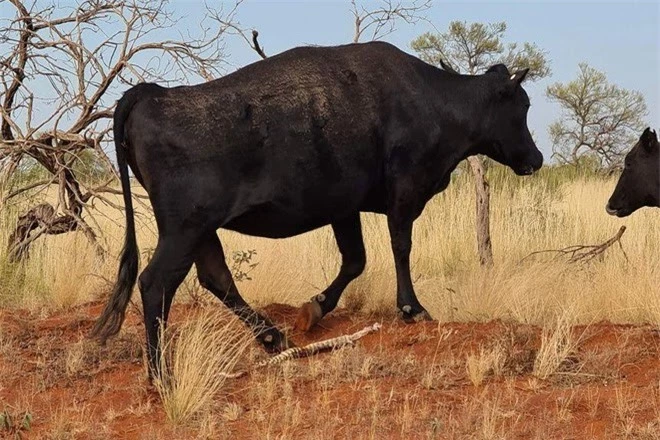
[526, 170]
[610, 210]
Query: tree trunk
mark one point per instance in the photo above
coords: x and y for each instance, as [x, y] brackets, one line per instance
[482, 188]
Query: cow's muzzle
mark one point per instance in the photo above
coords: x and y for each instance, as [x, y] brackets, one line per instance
[618, 212]
[527, 170]
[533, 163]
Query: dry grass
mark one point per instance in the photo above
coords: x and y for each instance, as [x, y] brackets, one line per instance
[195, 356]
[487, 362]
[71, 422]
[527, 216]
[564, 406]
[75, 358]
[6, 344]
[557, 344]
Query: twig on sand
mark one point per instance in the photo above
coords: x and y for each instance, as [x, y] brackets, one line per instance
[585, 253]
[311, 349]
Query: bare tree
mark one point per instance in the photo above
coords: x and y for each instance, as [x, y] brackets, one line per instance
[381, 19]
[473, 48]
[598, 118]
[59, 72]
[370, 24]
[234, 27]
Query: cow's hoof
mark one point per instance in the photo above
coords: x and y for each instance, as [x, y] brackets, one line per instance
[310, 314]
[410, 316]
[274, 341]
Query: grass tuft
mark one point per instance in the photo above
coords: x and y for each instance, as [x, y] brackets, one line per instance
[196, 357]
[487, 362]
[557, 345]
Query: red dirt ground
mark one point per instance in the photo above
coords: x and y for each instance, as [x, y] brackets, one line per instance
[608, 388]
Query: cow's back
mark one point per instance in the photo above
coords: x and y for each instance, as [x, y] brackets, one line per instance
[301, 131]
[350, 85]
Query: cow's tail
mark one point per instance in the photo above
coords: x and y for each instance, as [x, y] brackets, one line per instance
[112, 317]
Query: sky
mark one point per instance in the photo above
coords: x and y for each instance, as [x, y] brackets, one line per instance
[619, 38]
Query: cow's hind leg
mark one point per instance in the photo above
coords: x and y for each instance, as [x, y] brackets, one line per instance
[348, 234]
[158, 282]
[214, 275]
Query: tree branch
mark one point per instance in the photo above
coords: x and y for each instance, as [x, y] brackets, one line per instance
[256, 46]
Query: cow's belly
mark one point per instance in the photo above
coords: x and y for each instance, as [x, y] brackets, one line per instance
[272, 222]
[292, 206]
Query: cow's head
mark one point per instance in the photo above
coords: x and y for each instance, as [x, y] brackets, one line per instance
[639, 183]
[504, 135]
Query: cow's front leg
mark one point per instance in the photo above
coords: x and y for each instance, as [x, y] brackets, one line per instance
[406, 300]
[405, 205]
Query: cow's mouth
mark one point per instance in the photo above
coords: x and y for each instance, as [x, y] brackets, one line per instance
[617, 212]
[526, 170]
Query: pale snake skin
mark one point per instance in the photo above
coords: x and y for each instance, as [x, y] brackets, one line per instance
[311, 349]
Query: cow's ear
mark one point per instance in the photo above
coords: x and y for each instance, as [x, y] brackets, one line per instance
[649, 140]
[519, 76]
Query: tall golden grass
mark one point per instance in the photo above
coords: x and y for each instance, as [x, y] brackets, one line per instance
[528, 214]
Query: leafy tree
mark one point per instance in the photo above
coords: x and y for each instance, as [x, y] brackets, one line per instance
[472, 49]
[599, 118]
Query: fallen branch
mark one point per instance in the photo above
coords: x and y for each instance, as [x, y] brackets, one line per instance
[585, 253]
[311, 349]
[44, 220]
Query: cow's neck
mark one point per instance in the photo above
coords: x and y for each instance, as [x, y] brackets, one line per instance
[460, 104]
[461, 113]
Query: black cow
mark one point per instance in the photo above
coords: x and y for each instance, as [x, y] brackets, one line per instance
[639, 183]
[310, 137]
